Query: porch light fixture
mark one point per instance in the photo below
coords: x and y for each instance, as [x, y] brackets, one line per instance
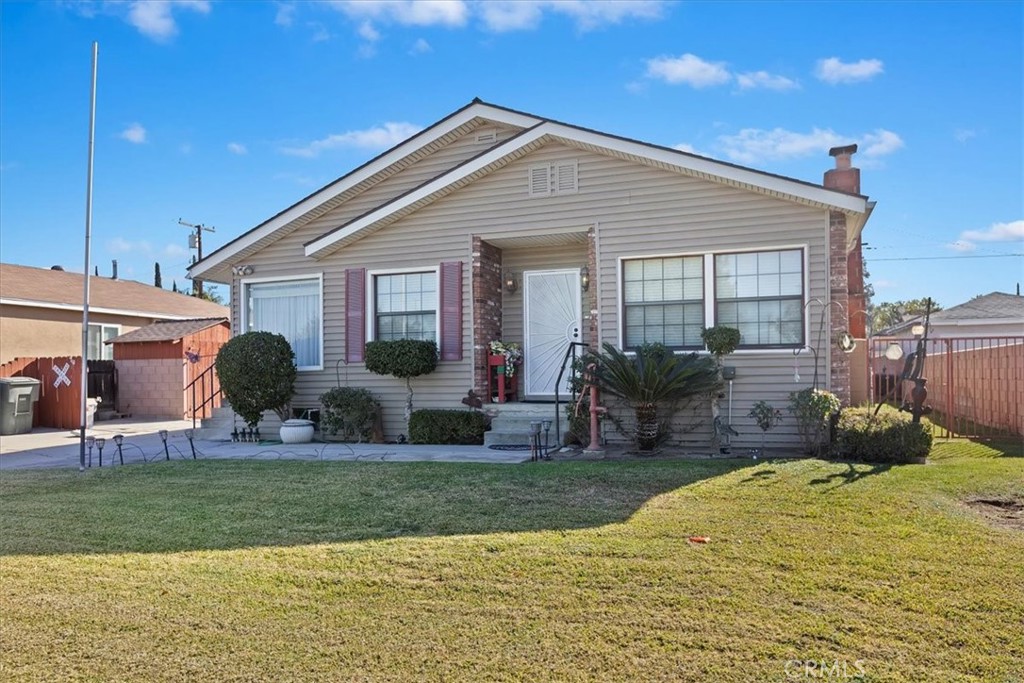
[510, 282]
[917, 330]
[585, 278]
[241, 270]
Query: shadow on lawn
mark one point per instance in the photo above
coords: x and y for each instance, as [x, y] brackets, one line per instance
[853, 473]
[220, 505]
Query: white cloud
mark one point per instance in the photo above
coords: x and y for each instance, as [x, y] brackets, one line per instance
[962, 135]
[120, 245]
[420, 47]
[689, 69]
[155, 18]
[519, 15]
[880, 143]
[285, 14]
[997, 232]
[320, 32]
[501, 16]
[134, 134]
[237, 148]
[834, 71]
[451, 13]
[381, 137]
[763, 79]
[752, 145]
[368, 32]
[690, 149]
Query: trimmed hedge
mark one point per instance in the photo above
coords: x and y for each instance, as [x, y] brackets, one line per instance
[452, 427]
[889, 437]
[350, 411]
[402, 358]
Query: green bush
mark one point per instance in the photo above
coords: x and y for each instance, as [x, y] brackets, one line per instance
[401, 358]
[720, 340]
[349, 411]
[453, 427]
[257, 373]
[813, 410]
[889, 437]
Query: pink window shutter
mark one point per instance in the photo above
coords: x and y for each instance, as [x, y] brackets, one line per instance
[450, 293]
[355, 314]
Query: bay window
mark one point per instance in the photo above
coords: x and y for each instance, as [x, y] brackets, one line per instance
[292, 308]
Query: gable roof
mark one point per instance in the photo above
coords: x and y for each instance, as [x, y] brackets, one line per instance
[167, 330]
[536, 132]
[44, 288]
[992, 307]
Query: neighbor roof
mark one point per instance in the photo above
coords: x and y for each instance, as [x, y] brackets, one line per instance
[45, 288]
[536, 131]
[996, 306]
[167, 330]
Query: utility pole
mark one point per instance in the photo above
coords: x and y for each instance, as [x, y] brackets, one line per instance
[195, 241]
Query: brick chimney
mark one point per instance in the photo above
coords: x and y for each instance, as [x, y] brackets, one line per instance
[845, 177]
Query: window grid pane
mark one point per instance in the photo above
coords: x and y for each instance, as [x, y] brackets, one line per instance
[761, 294]
[664, 301]
[405, 306]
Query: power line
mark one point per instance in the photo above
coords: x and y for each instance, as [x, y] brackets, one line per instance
[942, 258]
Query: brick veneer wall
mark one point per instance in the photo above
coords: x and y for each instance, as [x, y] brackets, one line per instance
[152, 387]
[486, 308]
[839, 362]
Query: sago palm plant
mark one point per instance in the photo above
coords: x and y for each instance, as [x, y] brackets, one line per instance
[653, 381]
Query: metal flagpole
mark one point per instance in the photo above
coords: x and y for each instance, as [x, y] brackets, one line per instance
[88, 234]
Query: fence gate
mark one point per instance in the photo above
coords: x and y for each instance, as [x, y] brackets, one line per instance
[103, 382]
[975, 384]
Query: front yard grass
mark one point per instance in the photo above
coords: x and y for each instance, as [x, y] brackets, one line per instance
[227, 570]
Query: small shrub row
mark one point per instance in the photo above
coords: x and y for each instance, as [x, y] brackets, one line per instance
[452, 427]
[888, 437]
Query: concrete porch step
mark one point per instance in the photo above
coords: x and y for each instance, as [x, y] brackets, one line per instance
[510, 423]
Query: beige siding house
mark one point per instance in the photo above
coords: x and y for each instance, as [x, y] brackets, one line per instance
[482, 227]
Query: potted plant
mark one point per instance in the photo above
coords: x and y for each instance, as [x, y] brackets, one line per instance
[766, 417]
[511, 352]
[257, 373]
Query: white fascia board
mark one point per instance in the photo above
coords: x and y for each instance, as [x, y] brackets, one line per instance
[317, 247]
[737, 174]
[839, 200]
[96, 309]
[410, 146]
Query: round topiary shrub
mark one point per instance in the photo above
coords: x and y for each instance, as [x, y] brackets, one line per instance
[257, 373]
[404, 359]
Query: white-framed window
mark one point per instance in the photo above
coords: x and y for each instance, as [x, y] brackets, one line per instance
[404, 305]
[670, 298]
[99, 333]
[292, 307]
[762, 295]
[663, 301]
[561, 177]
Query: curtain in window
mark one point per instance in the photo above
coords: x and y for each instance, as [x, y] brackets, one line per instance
[290, 308]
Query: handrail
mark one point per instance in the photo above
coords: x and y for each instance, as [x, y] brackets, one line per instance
[206, 399]
[569, 351]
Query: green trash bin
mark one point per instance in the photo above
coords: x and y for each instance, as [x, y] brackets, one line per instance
[18, 396]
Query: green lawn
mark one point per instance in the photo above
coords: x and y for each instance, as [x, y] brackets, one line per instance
[228, 570]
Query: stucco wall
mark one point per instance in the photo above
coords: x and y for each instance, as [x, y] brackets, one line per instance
[31, 332]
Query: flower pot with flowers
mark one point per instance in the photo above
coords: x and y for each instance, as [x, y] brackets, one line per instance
[506, 357]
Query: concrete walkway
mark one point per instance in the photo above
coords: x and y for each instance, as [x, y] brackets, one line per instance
[142, 443]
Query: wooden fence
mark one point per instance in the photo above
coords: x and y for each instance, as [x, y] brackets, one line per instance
[60, 385]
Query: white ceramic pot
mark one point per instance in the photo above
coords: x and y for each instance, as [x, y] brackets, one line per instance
[296, 431]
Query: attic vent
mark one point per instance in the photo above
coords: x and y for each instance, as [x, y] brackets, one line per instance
[487, 136]
[561, 177]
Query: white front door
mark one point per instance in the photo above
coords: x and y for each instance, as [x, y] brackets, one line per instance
[552, 319]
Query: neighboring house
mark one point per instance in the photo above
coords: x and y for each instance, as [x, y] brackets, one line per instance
[991, 315]
[162, 368]
[41, 311]
[497, 224]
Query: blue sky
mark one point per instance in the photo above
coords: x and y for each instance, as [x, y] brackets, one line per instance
[224, 113]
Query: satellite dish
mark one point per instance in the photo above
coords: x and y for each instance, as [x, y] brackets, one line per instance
[846, 342]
